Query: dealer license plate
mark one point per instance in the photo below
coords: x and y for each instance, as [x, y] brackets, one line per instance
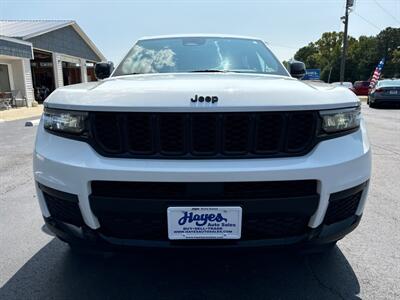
[393, 92]
[195, 223]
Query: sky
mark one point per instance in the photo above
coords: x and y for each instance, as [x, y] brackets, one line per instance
[286, 25]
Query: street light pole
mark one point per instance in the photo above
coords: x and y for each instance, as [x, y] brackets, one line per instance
[349, 3]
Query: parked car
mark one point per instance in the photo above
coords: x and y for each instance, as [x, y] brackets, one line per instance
[386, 91]
[361, 88]
[201, 141]
[345, 84]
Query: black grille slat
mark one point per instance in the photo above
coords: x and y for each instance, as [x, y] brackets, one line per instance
[236, 135]
[172, 134]
[269, 133]
[270, 189]
[139, 132]
[300, 131]
[210, 190]
[107, 132]
[203, 135]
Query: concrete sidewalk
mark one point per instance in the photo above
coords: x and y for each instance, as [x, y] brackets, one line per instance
[21, 113]
[363, 98]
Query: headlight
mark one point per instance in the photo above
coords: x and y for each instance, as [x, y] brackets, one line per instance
[340, 120]
[63, 121]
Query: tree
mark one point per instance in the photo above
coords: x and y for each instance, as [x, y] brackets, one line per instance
[364, 54]
[309, 55]
[366, 57]
[388, 44]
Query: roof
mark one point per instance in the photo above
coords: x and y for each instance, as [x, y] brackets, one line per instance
[30, 28]
[199, 35]
[18, 41]
[26, 29]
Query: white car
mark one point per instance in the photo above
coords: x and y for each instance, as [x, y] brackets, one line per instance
[201, 141]
[345, 84]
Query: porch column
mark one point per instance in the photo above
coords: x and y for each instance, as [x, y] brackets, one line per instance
[83, 70]
[27, 78]
[57, 69]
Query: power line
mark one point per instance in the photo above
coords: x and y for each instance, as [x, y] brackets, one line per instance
[386, 11]
[366, 20]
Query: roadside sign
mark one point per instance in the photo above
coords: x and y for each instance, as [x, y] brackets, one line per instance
[312, 74]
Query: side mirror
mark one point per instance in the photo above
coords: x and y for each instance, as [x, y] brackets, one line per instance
[103, 70]
[297, 69]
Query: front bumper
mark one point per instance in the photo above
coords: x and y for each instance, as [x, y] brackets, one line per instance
[71, 166]
[385, 99]
[87, 237]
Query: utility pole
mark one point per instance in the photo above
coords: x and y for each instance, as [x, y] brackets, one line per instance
[345, 19]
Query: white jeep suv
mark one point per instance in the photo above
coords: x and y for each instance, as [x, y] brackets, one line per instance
[201, 141]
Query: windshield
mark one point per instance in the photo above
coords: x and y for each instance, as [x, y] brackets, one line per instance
[383, 83]
[200, 54]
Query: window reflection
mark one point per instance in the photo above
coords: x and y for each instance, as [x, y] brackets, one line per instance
[174, 55]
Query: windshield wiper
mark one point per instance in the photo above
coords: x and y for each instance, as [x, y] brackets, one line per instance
[209, 71]
[134, 73]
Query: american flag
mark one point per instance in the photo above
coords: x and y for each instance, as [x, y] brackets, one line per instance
[377, 73]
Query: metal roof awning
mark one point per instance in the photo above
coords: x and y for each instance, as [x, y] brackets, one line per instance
[27, 29]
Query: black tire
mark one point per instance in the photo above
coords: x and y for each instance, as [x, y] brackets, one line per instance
[372, 105]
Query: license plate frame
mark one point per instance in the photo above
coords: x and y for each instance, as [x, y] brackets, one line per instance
[204, 222]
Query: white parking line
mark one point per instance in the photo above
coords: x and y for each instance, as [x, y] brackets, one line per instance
[32, 123]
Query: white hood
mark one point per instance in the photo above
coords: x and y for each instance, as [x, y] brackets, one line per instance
[173, 93]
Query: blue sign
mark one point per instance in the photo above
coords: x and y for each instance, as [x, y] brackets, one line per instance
[312, 74]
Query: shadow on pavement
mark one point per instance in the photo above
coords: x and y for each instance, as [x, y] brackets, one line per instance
[56, 273]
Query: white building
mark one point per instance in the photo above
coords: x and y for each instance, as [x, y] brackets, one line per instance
[37, 57]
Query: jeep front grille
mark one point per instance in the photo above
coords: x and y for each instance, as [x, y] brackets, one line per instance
[203, 135]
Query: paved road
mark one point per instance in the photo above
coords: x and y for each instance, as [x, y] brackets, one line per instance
[366, 264]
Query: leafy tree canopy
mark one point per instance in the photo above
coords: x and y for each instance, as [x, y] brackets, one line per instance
[363, 55]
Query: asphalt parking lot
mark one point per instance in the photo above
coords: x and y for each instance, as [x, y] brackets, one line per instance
[366, 264]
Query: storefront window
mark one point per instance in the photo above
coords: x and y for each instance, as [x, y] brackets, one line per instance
[4, 79]
[71, 73]
[42, 75]
[91, 76]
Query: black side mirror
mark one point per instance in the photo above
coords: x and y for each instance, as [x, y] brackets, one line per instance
[103, 70]
[297, 69]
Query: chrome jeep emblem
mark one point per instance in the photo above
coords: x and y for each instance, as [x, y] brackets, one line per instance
[212, 99]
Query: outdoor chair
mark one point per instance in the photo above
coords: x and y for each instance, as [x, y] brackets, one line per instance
[5, 100]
